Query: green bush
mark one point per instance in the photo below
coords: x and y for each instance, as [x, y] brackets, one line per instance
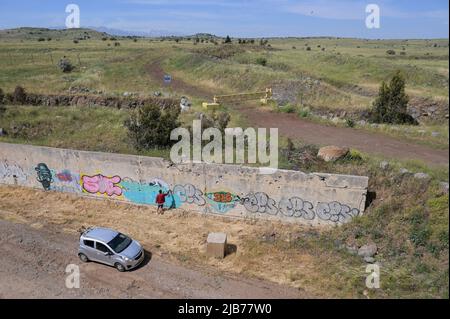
[2, 107]
[65, 65]
[350, 123]
[288, 109]
[150, 128]
[19, 95]
[261, 61]
[303, 113]
[392, 103]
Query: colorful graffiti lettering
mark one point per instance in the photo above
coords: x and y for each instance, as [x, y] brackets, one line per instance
[100, 184]
[222, 202]
[44, 176]
[189, 194]
[145, 193]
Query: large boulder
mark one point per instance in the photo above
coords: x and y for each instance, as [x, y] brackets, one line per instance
[332, 153]
[367, 250]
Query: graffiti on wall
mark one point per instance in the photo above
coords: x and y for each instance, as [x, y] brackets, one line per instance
[298, 208]
[8, 170]
[336, 212]
[101, 185]
[145, 193]
[222, 201]
[260, 203]
[44, 176]
[66, 181]
[189, 194]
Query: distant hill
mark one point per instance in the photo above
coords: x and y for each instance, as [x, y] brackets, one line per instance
[95, 33]
[51, 34]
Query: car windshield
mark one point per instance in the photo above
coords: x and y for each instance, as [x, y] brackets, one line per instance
[120, 243]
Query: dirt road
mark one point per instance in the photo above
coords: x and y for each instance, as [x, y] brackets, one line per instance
[291, 126]
[33, 265]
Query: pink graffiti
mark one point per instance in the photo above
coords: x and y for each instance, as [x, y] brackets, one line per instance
[102, 185]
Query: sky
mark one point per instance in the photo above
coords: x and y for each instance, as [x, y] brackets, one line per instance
[244, 18]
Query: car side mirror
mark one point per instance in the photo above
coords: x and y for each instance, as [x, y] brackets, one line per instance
[108, 253]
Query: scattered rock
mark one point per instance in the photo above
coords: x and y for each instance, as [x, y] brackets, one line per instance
[404, 171]
[369, 260]
[367, 250]
[185, 104]
[332, 153]
[421, 176]
[384, 165]
[362, 123]
[444, 187]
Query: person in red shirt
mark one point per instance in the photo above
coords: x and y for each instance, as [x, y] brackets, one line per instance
[160, 200]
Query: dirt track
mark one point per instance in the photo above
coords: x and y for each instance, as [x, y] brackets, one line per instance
[33, 265]
[295, 128]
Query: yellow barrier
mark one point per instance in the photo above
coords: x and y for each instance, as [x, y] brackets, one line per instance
[220, 99]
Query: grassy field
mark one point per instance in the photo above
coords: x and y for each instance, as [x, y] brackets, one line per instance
[343, 64]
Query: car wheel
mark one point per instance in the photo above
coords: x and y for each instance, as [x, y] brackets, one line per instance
[119, 267]
[83, 258]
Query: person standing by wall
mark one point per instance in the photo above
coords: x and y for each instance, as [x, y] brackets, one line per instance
[160, 201]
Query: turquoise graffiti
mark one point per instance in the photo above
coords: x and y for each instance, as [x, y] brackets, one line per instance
[145, 193]
[222, 202]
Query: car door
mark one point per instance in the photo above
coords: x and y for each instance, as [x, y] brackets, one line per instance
[89, 250]
[104, 254]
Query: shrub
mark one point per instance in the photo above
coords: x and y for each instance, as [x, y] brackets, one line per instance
[65, 65]
[391, 103]
[75, 41]
[308, 48]
[117, 44]
[303, 113]
[350, 123]
[228, 39]
[2, 97]
[288, 109]
[19, 95]
[149, 128]
[390, 52]
[41, 39]
[261, 61]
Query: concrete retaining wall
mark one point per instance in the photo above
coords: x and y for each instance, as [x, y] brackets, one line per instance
[228, 190]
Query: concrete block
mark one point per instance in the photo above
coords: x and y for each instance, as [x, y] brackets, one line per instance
[216, 245]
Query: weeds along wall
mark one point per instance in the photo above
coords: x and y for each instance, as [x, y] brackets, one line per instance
[228, 190]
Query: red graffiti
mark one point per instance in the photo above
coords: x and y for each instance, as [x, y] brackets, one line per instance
[100, 184]
[64, 176]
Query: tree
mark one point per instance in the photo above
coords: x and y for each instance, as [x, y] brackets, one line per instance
[228, 39]
[149, 128]
[19, 95]
[392, 103]
[65, 65]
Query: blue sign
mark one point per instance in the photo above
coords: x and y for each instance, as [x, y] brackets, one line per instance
[167, 78]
